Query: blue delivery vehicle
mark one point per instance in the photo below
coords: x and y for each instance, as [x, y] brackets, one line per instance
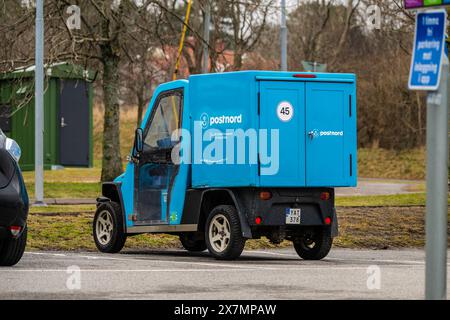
[222, 158]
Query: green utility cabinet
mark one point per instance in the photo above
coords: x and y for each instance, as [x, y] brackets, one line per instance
[67, 114]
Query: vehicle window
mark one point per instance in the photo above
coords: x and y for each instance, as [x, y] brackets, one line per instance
[165, 122]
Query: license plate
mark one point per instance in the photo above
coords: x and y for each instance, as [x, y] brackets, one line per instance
[293, 216]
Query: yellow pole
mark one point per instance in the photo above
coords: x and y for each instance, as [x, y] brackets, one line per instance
[183, 35]
[180, 51]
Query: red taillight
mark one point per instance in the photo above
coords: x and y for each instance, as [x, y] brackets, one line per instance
[327, 220]
[325, 196]
[15, 230]
[305, 75]
[265, 195]
[258, 220]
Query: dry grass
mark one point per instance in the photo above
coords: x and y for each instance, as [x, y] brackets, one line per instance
[70, 228]
[381, 228]
[67, 175]
[391, 164]
[128, 125]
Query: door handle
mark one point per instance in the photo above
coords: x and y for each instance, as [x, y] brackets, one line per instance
[63, 124]
[311, 135]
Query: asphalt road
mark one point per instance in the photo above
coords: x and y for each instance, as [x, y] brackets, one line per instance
[169, 274]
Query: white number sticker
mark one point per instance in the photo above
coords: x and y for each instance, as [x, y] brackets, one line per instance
[285, 111]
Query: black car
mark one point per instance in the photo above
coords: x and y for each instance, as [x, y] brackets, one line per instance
[14, 204]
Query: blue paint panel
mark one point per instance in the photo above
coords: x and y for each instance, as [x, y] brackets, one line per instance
[127, 187]
[330, 141]
[212, 97]
[236, 94]
[127, 178]
[291, 134]
[181, 182]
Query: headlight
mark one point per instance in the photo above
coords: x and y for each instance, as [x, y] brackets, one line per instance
[13, 148]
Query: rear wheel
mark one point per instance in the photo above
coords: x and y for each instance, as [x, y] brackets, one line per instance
[223, 233]
[192, 243]
[108, 231]
[314, 244]
[12, 249]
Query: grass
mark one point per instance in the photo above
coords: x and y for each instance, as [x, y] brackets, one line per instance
[381, 227]
[74, 232]
[70, 228]
[392, 164]
[361, 226]
[73, 190]
[79, 175]
[128, 119]
[410, 199]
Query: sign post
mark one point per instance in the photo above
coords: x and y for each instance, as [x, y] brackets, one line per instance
[39, 106]
[429, 72]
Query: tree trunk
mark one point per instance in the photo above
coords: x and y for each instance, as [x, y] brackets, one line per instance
[112, 162]
[237, 65]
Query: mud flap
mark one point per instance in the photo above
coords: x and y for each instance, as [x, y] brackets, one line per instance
[334, 225]
[245, 228]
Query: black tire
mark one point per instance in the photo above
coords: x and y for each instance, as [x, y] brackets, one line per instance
[117, 237]
[191, 243]
[236, 242]
[12, 249]
[314, 245]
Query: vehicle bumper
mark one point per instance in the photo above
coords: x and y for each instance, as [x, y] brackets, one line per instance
[314, 210]
[4, 233]
[14, 203]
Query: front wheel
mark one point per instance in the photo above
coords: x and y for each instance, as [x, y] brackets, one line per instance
[314, 244]
[12, 249]
[108, 231]
[223, 233]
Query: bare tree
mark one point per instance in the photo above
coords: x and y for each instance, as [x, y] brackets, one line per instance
[107, 30]
[242, 24]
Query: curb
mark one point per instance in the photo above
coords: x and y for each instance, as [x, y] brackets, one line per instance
[55, 201]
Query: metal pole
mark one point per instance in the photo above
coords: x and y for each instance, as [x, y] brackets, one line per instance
[39, 104]
[437, 190]
[283, 36]
[206, 27]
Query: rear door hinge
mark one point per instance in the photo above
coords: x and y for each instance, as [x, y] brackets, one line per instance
[350, 106]
[351, 165]
[259, 165]
[259, 102]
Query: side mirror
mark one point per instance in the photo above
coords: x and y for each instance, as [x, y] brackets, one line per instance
[138, 141]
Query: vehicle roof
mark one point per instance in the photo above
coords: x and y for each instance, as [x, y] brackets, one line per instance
[282, 75]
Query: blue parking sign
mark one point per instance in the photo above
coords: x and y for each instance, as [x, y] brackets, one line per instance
[428, 53]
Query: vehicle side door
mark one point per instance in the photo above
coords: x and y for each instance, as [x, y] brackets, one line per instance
[155, 171]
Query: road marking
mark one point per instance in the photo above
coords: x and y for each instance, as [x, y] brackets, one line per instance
[381, 261]
[233, 265]
[344, 260]
[273, 253]
[208, 264]
[315, 268]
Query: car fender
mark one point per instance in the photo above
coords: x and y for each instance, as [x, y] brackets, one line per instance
[245, 228]
[112, 191]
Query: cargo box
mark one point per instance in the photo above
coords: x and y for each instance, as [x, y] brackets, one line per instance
[304, 125]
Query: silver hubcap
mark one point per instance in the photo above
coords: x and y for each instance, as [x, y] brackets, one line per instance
[104, 227]
[219, 233]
